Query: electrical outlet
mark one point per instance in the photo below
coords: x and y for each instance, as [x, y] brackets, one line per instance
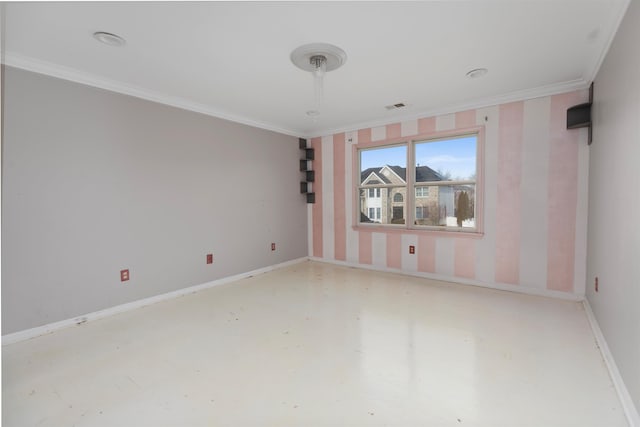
[209, 258]
[273, 246]
[412, 249]
[124, 275]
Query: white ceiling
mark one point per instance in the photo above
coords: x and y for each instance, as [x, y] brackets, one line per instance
[231, 59]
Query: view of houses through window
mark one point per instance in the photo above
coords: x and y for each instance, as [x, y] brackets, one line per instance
[441, 187]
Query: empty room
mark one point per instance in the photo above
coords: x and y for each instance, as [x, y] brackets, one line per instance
[320, 214]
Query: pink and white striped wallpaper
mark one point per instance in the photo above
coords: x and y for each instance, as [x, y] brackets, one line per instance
[534, 201]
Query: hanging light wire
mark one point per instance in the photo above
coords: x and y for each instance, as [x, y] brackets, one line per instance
[318, 58]
[319, 63]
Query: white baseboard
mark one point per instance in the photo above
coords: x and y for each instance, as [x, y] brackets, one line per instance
[52, 327]
[633, 417]
[461, 280]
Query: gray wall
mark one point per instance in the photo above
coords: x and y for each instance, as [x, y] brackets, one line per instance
[95, 182]
[614, 201]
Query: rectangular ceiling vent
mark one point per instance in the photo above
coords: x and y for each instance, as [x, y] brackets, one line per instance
[396, 106]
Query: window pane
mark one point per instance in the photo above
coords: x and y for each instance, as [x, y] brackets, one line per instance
[387, 165]
[383, 166]
[446, 160]
[422, 192]
[383, 210]
[447, 206]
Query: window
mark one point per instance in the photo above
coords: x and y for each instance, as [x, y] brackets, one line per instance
[442, 178]
[374, 214]
[422, 212]
[382, 179]
[374, 193]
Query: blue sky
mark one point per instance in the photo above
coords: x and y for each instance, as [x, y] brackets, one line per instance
[457, 156]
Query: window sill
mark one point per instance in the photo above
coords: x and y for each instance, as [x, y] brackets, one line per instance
[402, 229]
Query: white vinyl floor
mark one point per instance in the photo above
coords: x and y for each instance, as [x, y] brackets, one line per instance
[319, 345]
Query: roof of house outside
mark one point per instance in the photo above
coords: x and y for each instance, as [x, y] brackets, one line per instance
[423, 174]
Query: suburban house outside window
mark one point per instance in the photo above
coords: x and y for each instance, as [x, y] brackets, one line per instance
[387, 181]
[374, 214]
[421, 212]
[374, 193]
[442, 181]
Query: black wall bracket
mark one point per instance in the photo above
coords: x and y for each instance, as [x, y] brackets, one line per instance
[579, 116]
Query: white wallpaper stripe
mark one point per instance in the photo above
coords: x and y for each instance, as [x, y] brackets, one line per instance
[379, 249]
[409, 262]
[351, 138]
[328, 233]
[486, 247]
[534, 201]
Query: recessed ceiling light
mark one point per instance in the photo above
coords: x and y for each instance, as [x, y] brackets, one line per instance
[478, 72]
[109, 38]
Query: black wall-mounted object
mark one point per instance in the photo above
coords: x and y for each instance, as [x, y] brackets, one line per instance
[579, 116]
[308, 154]
[311, 176]
[304, 187]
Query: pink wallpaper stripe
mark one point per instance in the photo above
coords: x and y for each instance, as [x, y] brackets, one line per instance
[466, 119]
[316, 144]
[427, 125]
[394, 131]
[364, 243]
[394, 248]
[465, 258]
[427, 253]
[563, 194]
[339, 212]
[507, 146]
[364, 136]
[510, 136]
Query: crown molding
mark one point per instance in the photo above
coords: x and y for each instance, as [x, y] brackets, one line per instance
[44, 67]
[66, 73]
[521, 95]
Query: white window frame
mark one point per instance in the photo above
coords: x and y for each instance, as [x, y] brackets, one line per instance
[411, 185]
